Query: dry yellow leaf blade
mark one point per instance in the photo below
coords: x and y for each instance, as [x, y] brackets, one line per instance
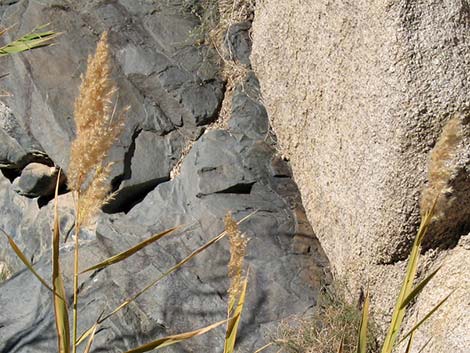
[170, 340]
[129, 252]
[60, 305]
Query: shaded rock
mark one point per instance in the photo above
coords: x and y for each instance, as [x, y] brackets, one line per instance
[239, 42]
[30, 226]
[17, 148]
[36, 180]
[151, 160]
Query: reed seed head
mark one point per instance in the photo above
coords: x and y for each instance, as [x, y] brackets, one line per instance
[441, 169]
[97, 128]
[238, 243]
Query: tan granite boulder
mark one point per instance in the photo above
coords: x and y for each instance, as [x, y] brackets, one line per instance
[357, 93]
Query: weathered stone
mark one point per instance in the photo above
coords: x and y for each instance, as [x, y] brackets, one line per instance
[450, 325]
[29, 224]
[239, 42]
[168, 82]
[152, 157]
[357, 95]
[17, 148]
[36, 180]
[196, 295]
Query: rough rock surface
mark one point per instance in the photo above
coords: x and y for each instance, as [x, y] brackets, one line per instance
[171, 85]
[17, 148]
[357, 94]
[36, 180]
[225, 170]
[174, 93]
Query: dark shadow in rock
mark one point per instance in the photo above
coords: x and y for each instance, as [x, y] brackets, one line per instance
[127, 198]
[11, 173]
[455, 222]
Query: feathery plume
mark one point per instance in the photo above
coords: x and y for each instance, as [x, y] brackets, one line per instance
[238, 244]
[95, 196]
[94, 115]
[97, 128]
[441, 169]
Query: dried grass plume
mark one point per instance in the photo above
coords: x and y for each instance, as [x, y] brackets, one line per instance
[97, 128]
[238, 244]
[441, 169]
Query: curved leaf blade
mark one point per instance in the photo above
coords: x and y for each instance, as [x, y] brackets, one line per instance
[170, 340]
[28, 264]
[414, 293]
[427, 316]
[234, 323]
[129, 252]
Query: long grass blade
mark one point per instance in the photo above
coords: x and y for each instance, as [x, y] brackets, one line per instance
[425, 345]
[414, 293]
[409, 344]
[170, 271]
[129, 252]
[90, 334]
[91, 339]
[85, 334]
[427, 316]
[162, 276]
[266, 346]
[60, 306]
[341, 345]
[29, 41]
[362, 340]
[153, 283]
[26, 262]
[170, 340]
[234, 323]
[406, 288]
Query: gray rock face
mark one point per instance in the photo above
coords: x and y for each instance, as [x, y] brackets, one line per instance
[174, 92]
[151, 159]
[17, 148]
[283, 280]
[170, 84]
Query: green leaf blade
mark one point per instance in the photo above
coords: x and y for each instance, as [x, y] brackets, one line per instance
[415, 292]
[362, 340]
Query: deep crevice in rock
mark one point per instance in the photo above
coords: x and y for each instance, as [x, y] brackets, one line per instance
[240, 188]
[130, 196]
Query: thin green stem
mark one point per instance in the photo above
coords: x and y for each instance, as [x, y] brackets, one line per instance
[75, 277]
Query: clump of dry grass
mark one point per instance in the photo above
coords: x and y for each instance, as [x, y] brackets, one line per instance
[234, 74]
[216, 18]
[335, 319]
[176, 170]
[441, 169]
